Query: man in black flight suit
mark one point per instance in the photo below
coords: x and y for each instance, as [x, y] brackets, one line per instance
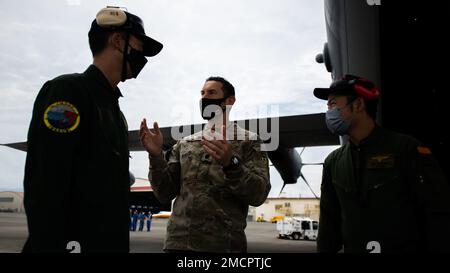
[382, 191]
[78, 155]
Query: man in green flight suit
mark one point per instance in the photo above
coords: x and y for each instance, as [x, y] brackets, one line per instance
[214, 175]
[381, 191]
[78, 154]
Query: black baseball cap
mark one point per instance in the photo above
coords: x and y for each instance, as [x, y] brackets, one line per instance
[350, 85]
[116, 19]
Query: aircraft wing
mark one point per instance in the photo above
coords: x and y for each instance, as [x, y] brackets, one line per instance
[22, 146]
[305, 131]
[294, 131]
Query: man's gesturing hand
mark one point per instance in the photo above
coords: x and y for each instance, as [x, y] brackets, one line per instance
[218, 147]
[152, 142]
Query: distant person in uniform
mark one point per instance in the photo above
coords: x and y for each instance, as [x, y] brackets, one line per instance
[135, 220]
[214, 175]
[149, 221]
[78, 153]
[381, 191]
[131, 219]
[142, 218]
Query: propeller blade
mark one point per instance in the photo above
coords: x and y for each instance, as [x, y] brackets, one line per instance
[307, 184]
[302, 151]
[282, 189]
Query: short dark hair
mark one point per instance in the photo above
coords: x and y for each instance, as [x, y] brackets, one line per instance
[99, 40]
[371, 105]
[228, 88]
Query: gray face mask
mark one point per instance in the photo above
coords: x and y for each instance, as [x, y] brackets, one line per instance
[335, 123]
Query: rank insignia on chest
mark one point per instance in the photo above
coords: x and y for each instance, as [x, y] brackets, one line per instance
[380, 161]
[62, 117]
[206, 158]
[264, 159]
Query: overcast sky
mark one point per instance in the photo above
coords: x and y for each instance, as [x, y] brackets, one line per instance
[265, 48]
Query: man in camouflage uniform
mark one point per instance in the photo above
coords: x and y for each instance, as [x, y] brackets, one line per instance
[382, 191]
[214, 175]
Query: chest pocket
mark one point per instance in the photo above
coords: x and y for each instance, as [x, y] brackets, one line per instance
[112, 129]
[342, 185]
[237, 149]
[377, 179]
[197, 164]
[190, 159]
[343, 178]
[381, 173]
[383, 187]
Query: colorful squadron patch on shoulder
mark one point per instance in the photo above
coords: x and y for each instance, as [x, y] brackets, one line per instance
[62, 117]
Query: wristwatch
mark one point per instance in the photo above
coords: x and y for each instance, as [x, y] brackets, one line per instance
[235, 162]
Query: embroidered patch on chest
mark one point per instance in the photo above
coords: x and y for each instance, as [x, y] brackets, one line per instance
[381, 161]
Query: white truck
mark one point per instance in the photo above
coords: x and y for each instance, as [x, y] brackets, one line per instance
[297, 228]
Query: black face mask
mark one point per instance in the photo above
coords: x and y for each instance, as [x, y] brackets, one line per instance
[135, 58]
[137, 61]
[211, 112]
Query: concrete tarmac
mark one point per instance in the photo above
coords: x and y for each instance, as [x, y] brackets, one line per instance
[261, 237]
